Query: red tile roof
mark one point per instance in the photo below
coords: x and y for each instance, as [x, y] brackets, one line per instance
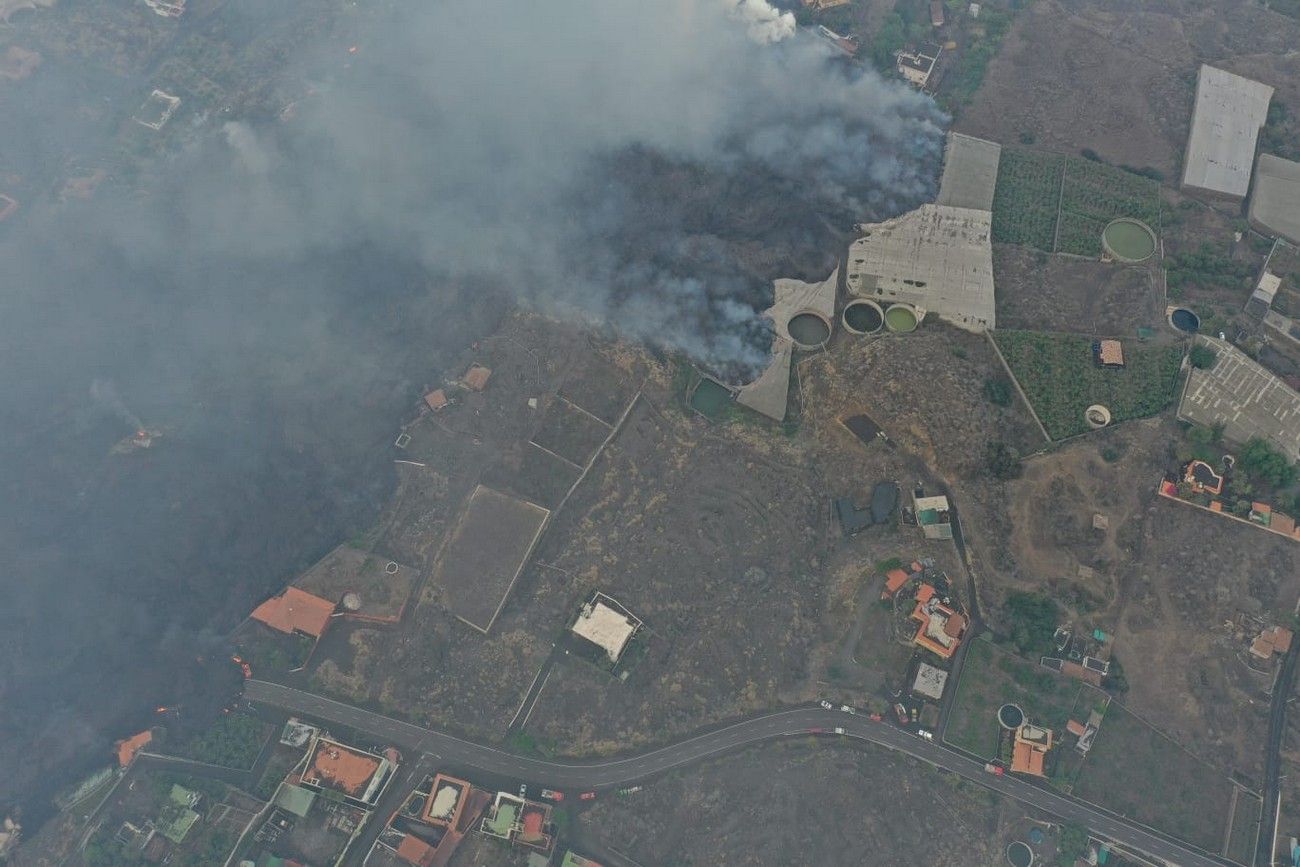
[295, 610]
[413, 850]
[436, 399]
[894, 579]
[924, 593]
[477, 377]
[1027, 760]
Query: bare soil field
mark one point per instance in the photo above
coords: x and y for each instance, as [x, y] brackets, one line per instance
[713, 539]
[1117, 76]
[925, 389]
[1054, 293]
[800, 802]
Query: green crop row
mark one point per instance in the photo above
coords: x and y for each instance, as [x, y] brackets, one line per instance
[1036, 190]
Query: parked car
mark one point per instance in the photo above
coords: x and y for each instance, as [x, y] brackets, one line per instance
[839, 731]
[552, 795]
[523, 790]
[826, 704]
[816, 731]
[925, 734]
[995, 770]
[587, 796]
[875, 717]
[901, 713]
[847, 709]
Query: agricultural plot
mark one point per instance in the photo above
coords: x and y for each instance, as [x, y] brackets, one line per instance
[1094, 194]
[1131, 760]
[1061, 380]
[1026, 198]
[1061, 204]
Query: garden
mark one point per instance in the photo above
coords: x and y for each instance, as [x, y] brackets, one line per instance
[1061, 380]
[1061, 204]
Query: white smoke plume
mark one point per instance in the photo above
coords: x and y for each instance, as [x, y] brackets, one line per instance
[765, 22]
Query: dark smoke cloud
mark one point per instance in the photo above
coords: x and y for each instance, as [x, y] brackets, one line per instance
[274, 295]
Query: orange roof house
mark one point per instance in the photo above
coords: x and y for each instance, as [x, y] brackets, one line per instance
[295, 610]
[1076, 728]
[1271, 641]
[476, 377]
[894, 580]
[413, 850]
[436, 399]
[940, 628]
[1110, 353]
[128, 747]
[344, 769]
[1203, 479]
[1027, 760]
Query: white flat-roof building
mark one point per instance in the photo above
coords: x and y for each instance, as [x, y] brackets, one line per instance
[1275, 201]
[607, 625]
[930, 681]
[938, 258]
[1226, 119]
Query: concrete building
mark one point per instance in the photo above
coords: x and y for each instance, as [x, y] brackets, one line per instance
[1226, 119]
[930, 681]
[916, 66]
[606, 624]
[938, 258]
[970, 172]
[1275, 199]
[933, 516]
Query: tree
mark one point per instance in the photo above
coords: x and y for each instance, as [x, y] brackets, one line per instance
[1261, 461]
[997, 390]
[1202, 357]
[1033, 619]
[1001, 460]
[891, 37]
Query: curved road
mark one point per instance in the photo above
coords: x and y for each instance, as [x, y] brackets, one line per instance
[601, 773]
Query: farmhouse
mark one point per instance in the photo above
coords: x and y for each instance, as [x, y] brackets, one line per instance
[1203, 479]
[295, 611]
[357, 775]
[1226, 120]
[917, 65]
[938, 258]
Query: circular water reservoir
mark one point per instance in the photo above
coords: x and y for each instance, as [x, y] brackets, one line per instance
[808, 330]
[1020, 855]
[1010, 716]
[863, 317]
[1185, 320]
[901, 318]
[1129, 240]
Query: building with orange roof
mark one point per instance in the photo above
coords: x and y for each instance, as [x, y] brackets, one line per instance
[436, 399]
[940, 628]
[446, 800]
[128, 747]
[1076, 728]
[357, 775]
[894, 581]
[1030, 749]
[1283, 524]
[1110, 353]
[413, 850]
[295, 610]
[1276, 639]
[476, 378]
[1027, 760]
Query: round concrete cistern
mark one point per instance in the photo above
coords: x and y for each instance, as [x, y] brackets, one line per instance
[1184, 320]
[901, 318]
[809, 330]
[1019, 854]
[1128, 240]
[1010, 716]
[863, 317]
[1097, 416]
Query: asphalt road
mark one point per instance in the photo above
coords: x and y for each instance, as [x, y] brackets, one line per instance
[599, 775]
[1282, 692]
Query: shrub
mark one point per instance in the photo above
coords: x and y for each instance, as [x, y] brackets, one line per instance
[997, 390]
[1202, 357]
[1001, 460]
